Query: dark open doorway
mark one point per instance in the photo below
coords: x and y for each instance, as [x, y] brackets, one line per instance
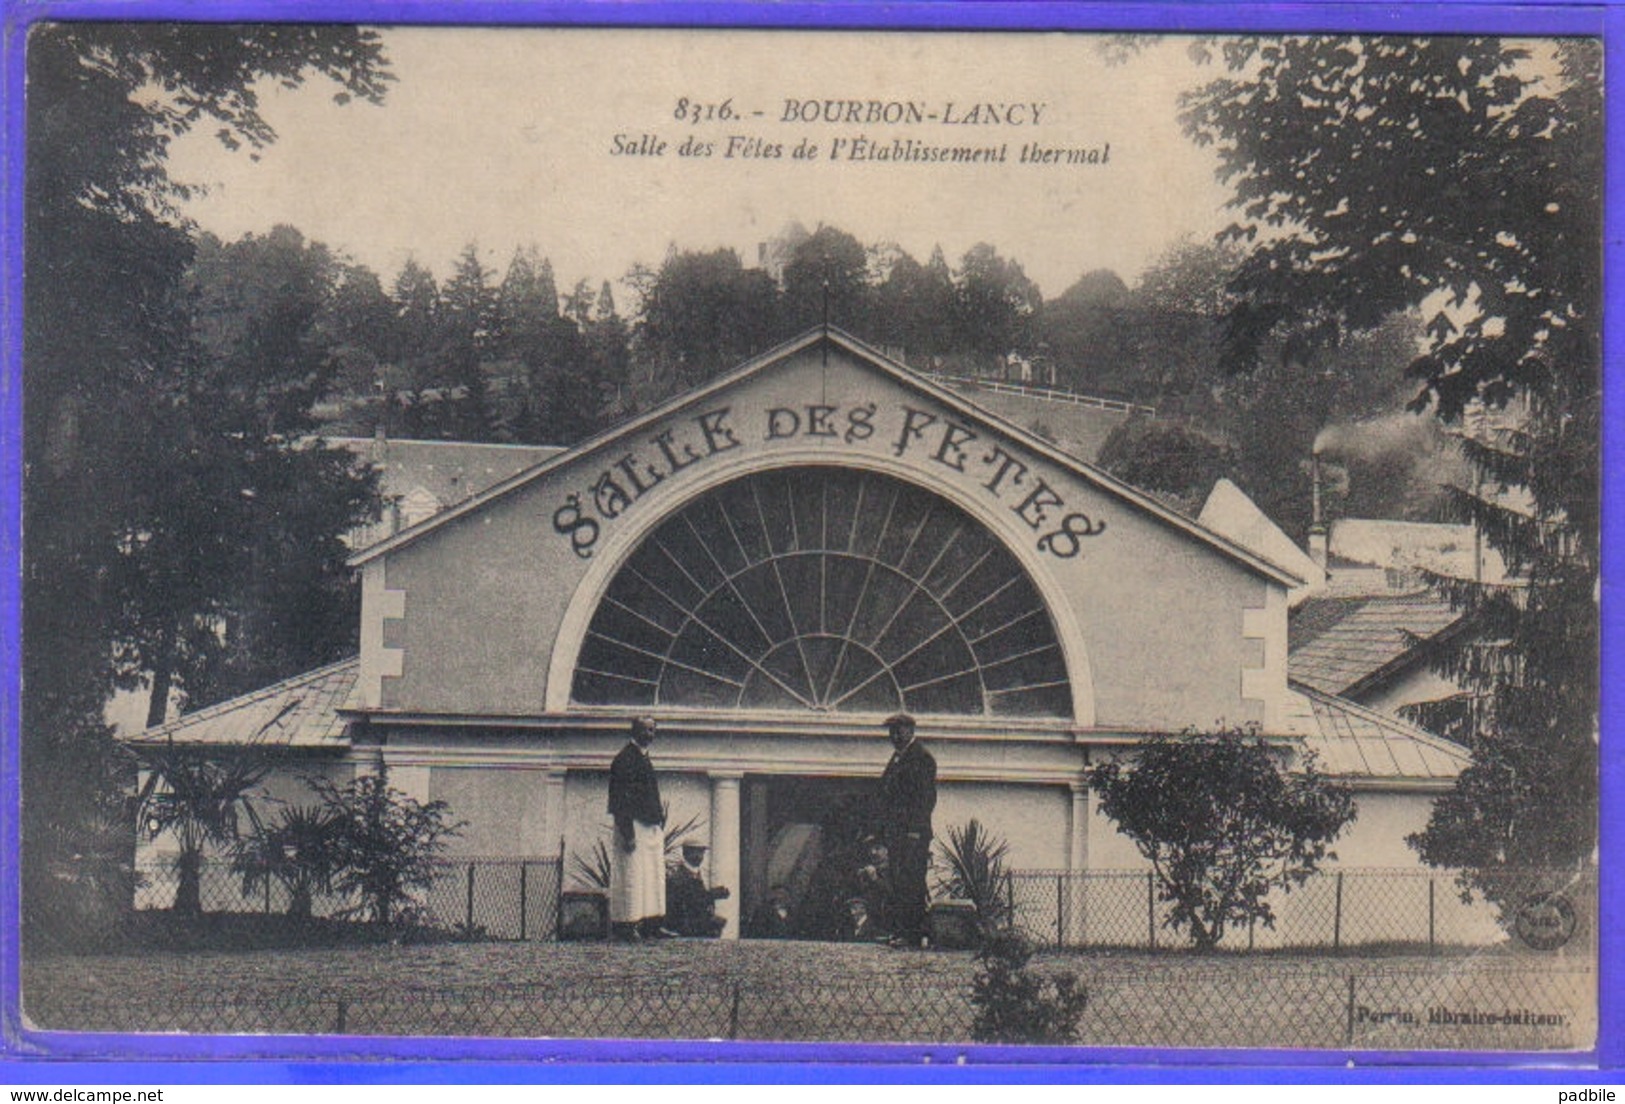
[807, 858]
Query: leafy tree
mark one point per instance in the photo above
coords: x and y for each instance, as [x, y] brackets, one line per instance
[829, 266]
[386, 843]
[1222, 823]
[1166, 457]
[1083, 328]
[996, 306]
[103, 312]
[1461, 177]
[915, 307]
[200, 796]
[1015, 1004]
[701, 314]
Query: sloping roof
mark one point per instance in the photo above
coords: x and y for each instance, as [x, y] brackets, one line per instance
[298, 712]
[449, 470]
[1356, 743]
[1229, 512]
[1342, 645]
[902, 375]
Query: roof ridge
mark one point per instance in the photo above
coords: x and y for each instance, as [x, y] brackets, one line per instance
[210, 711]
[1102, 480]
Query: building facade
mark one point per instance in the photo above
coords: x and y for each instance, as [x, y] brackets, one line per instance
[772, 564]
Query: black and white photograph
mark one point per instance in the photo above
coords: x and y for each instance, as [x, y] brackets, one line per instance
[1004, 538]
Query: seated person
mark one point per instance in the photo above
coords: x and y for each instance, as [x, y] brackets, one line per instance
[690, 905]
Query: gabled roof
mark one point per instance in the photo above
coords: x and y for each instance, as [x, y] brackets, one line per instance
[901, 375]
[298, 712]
[1347, 645]
[1353, 742]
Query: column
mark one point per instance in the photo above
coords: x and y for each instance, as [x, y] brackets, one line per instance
[725, 846]
[1077, 861]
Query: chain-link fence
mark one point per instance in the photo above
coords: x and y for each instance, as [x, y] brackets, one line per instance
[474, 898]
[1473, 1005]
[1335, 909]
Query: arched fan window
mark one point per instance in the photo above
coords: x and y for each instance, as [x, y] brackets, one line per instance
[827, 590]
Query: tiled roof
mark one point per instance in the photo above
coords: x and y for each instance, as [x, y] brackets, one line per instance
[1335, 644]
[298, 712]
[1353, 742]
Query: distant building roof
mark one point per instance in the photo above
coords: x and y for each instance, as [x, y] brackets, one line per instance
[1455, 551]
[418, 479]
[1356, 743]
[1343, 645]
[299, 712]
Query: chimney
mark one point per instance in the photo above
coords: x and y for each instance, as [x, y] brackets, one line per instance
[1318, 543]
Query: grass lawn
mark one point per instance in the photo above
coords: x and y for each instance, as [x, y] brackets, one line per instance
[1496, 1000]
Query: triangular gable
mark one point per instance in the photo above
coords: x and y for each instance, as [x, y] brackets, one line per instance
[1230, 513]
[898, 374]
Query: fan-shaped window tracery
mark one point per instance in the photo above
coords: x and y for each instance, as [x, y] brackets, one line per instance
[828, 590]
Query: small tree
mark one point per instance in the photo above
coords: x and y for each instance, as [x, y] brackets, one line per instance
[1222, 823]
[198, 794]
[1017, 1005]
[300, 851]
[386, 843]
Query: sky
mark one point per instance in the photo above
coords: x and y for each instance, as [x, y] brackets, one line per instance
[509, 137]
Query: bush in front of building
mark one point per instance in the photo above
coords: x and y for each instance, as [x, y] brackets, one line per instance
[1223, 823]
[386, 844]
[1015, 1004]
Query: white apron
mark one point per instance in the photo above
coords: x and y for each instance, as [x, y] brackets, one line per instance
[637, 881]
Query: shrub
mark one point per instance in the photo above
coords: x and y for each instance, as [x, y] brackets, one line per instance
[1014, 1004]
[1222, 823]
[975, 864]
[386, 844]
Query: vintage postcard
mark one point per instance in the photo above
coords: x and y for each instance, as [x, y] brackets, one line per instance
[1052, 539]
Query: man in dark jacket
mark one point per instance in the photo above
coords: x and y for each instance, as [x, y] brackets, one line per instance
[908, 794]
[637, 868]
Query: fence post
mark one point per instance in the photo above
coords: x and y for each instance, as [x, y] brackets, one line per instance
[1337, 915]
[733, 1013]
[1060, 910]
[524, 868]
[558, 895]
[1349, 1037]
[1430, 916]
[1010, 900]
[339, 1021]
[468, 917]
[268, 894]
[1151, 908]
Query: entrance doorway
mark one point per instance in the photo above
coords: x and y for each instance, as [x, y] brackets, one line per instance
[804, 855]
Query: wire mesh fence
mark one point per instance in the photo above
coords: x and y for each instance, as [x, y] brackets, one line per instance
[1481, 1006]
[1335, 909]
[475, 898]
[1351, 908]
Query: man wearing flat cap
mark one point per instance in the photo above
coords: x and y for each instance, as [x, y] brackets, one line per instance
[637, 867]
[908, 794]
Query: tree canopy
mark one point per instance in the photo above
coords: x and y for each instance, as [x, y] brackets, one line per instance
[1461, 177]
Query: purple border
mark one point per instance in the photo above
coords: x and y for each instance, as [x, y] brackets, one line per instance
[91, 1059]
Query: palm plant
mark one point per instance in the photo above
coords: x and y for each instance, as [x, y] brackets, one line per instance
[198, 795]
[299, 851]
[975, 861]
